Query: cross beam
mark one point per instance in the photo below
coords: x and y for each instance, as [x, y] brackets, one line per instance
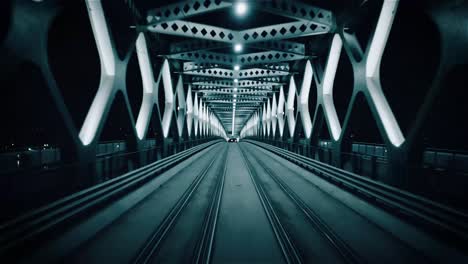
[203, 45]
[203, 57]
[281, 66]
[201, 31]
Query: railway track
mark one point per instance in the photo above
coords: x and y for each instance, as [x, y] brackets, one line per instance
[205, 244]
[40, 223]
[203, 249]
[344, 250]
[288, 248]
[439, 218]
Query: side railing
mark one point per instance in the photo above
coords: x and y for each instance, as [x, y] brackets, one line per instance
[446, 221]
[32, 187]
[37, 224]
[439, 174]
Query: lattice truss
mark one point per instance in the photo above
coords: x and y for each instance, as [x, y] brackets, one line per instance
[183, 115]
[186, 111]
[212, 75]
[278, 114]
[175, 115]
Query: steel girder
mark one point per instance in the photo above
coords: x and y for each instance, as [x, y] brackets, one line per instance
[203, 45]
[278, 66]
[260, 93]
[366, 61]
[211, 73]
[202, 31]
[308, 14]
[203, 57]
[210, 83]
[242, 74]
[291, 9]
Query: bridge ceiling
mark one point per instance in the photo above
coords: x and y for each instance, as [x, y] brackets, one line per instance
[234, 54]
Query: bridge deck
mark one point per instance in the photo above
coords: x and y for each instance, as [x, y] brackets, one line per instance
[239, 203]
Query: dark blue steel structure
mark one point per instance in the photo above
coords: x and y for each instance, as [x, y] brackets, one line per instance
[346, 124]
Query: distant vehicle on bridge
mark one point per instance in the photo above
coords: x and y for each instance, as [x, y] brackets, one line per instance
[232, 140]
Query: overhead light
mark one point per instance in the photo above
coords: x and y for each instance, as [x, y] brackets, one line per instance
[235, 89]
[234, 100]
[235, 95]
[240, 8]
[236, 67]
[236, 80]
[238, 47]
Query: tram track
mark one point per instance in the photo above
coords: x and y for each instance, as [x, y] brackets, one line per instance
[205, 244]
[234, 205]
[445, 221]
[40, 223]
[344, 250]
[203, 250]
[287, 245]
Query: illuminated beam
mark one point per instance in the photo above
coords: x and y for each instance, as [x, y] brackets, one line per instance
[304, 100]
[327, 87]
[202, 31]
[278, 66]
[203, 45]
[205, 57]
[242, 74]
[374, 87]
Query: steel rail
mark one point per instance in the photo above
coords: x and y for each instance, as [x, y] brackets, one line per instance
[205, 244]
[152, 245]
[345, 251]
[289, 250]
[443, 219]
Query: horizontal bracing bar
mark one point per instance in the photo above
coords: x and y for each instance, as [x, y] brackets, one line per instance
[281, 66]
[237, 102]
[242, 110]
[260, 93]
[239, 99]
[225, 110]
[292, 9]
[256, 81]
[229, 83]
[201, 57]
[256, 89]
[274, 32]
[203, 45]
[241, 74]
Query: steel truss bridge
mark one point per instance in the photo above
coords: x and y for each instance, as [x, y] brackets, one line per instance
[116, 115]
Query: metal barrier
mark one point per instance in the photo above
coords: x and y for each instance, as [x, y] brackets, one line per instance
[15, 233]
[440, 218]
[32, 187]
